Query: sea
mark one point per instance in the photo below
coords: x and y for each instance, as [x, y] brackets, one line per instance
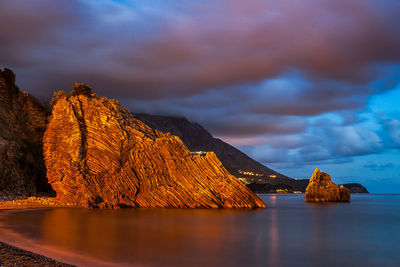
[289, 232]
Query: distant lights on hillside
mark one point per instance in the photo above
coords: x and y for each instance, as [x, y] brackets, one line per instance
[250, 173]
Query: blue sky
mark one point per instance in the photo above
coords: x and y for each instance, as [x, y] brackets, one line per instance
[377, 167]
[295, 84]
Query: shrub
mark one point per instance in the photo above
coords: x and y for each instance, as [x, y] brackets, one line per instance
[56, 96]
[81, 89]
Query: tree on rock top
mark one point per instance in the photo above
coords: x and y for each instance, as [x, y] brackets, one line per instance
[77, 89]
[81, 89]
[57, 96]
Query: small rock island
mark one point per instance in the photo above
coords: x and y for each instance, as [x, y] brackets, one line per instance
[322, 189]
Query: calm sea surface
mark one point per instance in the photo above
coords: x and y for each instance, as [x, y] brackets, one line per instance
[365, 232]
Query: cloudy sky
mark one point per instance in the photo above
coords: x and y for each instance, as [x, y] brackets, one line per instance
[296, 84]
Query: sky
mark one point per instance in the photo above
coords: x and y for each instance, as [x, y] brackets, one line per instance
[295, 84]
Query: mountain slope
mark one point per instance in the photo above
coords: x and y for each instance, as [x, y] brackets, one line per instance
[196, 138]
[258, 177]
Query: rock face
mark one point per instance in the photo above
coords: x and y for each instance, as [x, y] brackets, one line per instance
[22, 124]
[322, 189]
[98, 155]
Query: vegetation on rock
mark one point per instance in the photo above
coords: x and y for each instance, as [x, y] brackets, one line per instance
[77, 89]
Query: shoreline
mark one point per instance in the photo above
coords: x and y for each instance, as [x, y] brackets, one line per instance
[33, 203]
[14, 251]
[19, 250]
[14, 256]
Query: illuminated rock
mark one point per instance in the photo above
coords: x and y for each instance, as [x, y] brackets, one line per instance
[98, 155]
[322, 189]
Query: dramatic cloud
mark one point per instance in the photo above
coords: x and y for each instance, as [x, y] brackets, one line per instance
[154, 49]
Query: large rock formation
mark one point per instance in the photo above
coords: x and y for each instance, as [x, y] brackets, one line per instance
[322, 189]
[98, 155]
[22, 124]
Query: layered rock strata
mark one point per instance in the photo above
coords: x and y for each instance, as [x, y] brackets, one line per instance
[22, 124]
[322, 189]
[98, 155]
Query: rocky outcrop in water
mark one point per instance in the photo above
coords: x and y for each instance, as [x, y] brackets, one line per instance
[322, 189]
[98, 155]
[22, 124]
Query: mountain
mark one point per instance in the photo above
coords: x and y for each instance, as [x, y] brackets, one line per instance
[23, 121]
[258, 177]
[98, 155]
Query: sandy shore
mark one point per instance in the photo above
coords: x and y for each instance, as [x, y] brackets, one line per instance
[13, 256]
[33, 203]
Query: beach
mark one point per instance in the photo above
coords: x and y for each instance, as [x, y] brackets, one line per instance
[13, 256]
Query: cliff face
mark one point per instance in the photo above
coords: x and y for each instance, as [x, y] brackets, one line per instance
[22, 124]
[98, 155]
[322, 189]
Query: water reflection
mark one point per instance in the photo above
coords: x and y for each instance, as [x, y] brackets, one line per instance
[143, 236]
[274, 234]
[289, 232]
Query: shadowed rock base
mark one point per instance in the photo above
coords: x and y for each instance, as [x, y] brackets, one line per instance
[98, 155]
[322, 189]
